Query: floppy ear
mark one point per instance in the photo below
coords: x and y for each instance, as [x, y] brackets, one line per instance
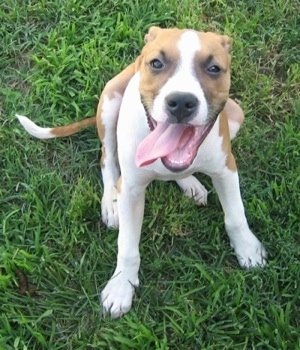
[226, 42]
[152, 34]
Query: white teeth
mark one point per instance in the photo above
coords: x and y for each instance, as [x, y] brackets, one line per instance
[178, 162]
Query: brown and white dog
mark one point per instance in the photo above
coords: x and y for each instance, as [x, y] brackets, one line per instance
[166, 116]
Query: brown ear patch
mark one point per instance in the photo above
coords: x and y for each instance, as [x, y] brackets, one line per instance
[226, 42]
[152, 34]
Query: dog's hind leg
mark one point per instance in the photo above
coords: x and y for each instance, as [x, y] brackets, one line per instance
[193, 189]
[107, 119]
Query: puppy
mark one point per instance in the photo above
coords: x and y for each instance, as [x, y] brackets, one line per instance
[166, 116]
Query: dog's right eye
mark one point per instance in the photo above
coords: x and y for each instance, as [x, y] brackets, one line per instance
[214, 69]
[156, 64]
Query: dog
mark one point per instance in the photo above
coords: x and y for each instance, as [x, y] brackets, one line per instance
[166, 116]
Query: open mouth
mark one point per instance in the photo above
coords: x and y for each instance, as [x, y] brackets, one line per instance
[175, 144]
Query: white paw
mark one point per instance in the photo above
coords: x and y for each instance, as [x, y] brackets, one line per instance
[193, 189]
[117, 295]
[249, 251]
[109, 209]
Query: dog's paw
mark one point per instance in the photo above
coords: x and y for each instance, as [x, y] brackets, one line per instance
[193, 189]
[116, 298]
[249, 251]
[109, 209]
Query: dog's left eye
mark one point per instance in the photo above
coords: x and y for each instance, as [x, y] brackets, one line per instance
[214, 69]
[156, 64]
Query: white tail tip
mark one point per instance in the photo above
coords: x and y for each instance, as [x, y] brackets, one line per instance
[35, 130]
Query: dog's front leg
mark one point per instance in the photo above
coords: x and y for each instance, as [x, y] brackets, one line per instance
[118, 294]
[247, 247]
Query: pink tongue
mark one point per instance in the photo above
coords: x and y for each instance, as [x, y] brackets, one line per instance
[163, 140]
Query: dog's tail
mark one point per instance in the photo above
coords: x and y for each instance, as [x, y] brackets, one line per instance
[60, 131]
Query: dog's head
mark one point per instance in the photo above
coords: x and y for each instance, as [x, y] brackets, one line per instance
[184, 84]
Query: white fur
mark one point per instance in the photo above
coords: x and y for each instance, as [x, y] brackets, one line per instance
[132, 128]
[35, 130]
[193, 189]
[247, 247]
[110, 168]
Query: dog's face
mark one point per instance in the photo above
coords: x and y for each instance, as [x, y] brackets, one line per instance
[184, 84]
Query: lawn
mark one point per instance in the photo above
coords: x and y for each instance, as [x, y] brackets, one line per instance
[55, 253]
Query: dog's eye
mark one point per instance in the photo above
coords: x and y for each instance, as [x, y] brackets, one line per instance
[214, 69]
[156, 64]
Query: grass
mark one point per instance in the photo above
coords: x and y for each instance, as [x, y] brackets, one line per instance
[55, 58]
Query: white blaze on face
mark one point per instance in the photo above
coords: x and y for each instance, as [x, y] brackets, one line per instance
[183, 80]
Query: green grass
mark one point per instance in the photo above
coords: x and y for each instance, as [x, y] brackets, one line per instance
[55, 58]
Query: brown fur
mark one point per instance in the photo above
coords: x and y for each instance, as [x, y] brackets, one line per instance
[157, 39]
[74, 128]
[215, 88]
[226, 144]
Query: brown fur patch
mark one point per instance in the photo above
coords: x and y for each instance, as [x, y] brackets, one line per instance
[231, 164]
[214, 51]
[73, 128]
[160, 45]
[226, 143]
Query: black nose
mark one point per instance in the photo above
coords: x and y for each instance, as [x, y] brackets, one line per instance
[181, 106]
